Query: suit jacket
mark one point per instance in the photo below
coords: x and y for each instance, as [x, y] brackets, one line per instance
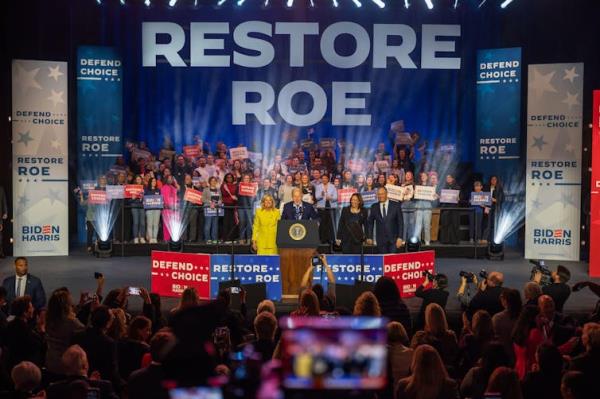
[147, 383]
[61, 389]
[33, 288]
[308, 213]
[388, 230]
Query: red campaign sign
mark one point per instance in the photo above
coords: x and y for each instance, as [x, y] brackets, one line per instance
[134, 190]
[344, 195]
[248, 189]
[97, 197]
[406, 269]
[193, 196]
[173, 272]
[595, 190]
[191, 151]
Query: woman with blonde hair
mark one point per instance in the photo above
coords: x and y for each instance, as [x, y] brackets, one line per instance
[189, 298]
[429, 379]
[367, 305]
[264, 231]
[308, 304]
[118, 327]
[399, 355]
[437, 334]
[504, 383]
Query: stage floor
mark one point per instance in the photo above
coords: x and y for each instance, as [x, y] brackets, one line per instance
[77, 273]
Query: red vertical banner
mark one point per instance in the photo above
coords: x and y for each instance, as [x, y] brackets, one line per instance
[173, 272]
[595, 190]
[406, 269]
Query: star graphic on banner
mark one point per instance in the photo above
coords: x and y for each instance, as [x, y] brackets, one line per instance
[542, 83]
[53, 196]
[539, 142]
[24, 138]
[536, 204]
[23, 200]
[26, 79]
[56, 97]
[570, 74]
[55, 72]
[54, 143]
[566, 199]
[571, 100]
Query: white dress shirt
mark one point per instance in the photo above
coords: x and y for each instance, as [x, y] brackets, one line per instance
[387, 207]
[20, 284]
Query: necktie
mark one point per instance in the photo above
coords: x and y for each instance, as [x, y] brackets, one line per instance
[19, 288]
[384, 211]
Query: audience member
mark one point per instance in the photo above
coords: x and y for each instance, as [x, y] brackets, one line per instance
[558, 289]
[27, 378]
[588, 362]
[488, 296]
[147, 383]
[476, 379]
[532, 291]
[437, 334]
[392, 305]
[399, 354]
[504, 383]
[476, 336]
[367, 305]
[504, 322]
[574, 385]
[432, 292]
[22, 341]
[544, 380]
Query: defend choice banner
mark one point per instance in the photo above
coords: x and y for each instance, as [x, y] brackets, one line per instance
[407, 270]
[595, 190]
[173, 272]
[553, 197]
[498, 117]
[40, 158]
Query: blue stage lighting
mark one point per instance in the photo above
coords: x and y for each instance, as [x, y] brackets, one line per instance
[221, 2]
[406, 4]
[357, 3]
[312, 3]
[147, 3]
[455, 4]
[379, 3]
[505, 3]
[335, 3]
[496, 251]
[429, 4]
[172, 3]
[122, 2]
[240, 2]
[290, 3]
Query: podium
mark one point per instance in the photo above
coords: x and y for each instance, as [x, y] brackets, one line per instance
[297, 241]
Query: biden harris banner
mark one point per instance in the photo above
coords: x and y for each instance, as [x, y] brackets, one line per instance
[40, 158]
[498, 117]
[553, 197]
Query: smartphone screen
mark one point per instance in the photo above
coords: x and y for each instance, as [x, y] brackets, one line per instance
[134, 291]
[196, 393]
[235, 290]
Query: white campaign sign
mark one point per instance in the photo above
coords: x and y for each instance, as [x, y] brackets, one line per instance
[40, 158]
[553, 197]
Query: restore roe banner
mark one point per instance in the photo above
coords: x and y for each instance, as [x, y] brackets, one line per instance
[40, 158]
[553, 191]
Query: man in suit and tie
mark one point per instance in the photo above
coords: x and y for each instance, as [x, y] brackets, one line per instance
[23, 283]
[386, 217]
[297, 209]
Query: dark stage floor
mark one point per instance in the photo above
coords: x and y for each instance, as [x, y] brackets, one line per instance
[77, 273]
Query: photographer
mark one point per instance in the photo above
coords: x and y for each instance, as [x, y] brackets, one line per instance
[433, 290]
[558, 288]
[326, 301]
[488, 293]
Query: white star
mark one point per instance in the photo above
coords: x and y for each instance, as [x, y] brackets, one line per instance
[55, 72]
[570, 74]
[542, 83]
[56, 98]
[26, 79]
[571, 100]
[55, 143]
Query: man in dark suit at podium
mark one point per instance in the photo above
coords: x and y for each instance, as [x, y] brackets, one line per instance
[298, 209]
[386, 217]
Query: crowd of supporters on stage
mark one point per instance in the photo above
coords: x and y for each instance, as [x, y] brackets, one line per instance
[319, 171]
[510, 344]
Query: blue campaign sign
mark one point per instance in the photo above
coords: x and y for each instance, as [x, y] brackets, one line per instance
[346, 269]
[249, 269]
[481, 198]
[369, 197]
[153, 202]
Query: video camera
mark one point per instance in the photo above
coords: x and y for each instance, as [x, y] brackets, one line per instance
[471, 276]
[540, 267]
[430, 276]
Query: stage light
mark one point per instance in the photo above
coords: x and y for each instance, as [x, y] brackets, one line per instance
[103, 249]
[172, 3]
[122, 2]
[221, 2]
[413, 245]
[335, 3]
[105, 216]
[379, 3]
[176, 220]
[290, 3]
[429, 4]
[481, 4]
[357, 3]
[147, 3]
[496, 251]
[505, 3]
[99, 2]
[312, 3]
[455, 4]
[240, 2]
[406, 4]
[175, 246]
[510, 215]
[266, 3]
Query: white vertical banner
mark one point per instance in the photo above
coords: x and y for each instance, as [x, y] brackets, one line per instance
[40, 158]
[554, 130]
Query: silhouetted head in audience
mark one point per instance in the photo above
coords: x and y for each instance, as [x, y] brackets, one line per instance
[367, 305]
[386, 290]
[428, 373]
[266, 305]
[493, 356]
[511, 301]
[160, 345]
[532, 291]
[309, 303]
[101, 318]
[435, 320]
[397, 333]
[22, 308]
[590, 337]
[140, 329]
[265, 325]
[574, 385]
[75, 361]
[59, 308]
[505, 381]
[547, 307]
[26, 377]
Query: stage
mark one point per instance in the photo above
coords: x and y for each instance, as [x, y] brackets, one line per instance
[77, 272]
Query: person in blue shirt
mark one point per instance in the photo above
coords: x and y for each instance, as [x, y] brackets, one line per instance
[326, 197]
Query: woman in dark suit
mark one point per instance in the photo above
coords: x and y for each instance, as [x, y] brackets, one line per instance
[353, 219]
[495, 187]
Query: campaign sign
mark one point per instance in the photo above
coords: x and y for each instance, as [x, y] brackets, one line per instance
[191, 151]
[153, 202]
[248, 189]
[87, 185]
[173, 272]
[238, 153]
[369, 197]
[383, 166]
[344, 195]
[347, 269]
[426, 193]
[193, 196]
[97, 197]
[138, 153]
[217, 211]
[255, 156]
[327, 142]
[449, 196]
[403, 138]
[406, 269]
[115, 192]
[395, 193]
[249, 269]
[134, 190]
[481, 198]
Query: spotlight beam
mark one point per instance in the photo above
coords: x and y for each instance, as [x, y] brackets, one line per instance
[505, 3]
[429, 4]
[290, 3]
[406, 4]
[357, 3]
[379, 3]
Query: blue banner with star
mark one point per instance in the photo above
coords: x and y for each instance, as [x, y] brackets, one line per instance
[498, 116]
[99, 114]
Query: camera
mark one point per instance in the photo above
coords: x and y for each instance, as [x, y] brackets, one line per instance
[429, 275]
[468, 275]
[483, 274]
[540, 267]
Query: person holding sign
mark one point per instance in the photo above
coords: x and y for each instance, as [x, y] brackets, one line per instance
[298, 209]
[352, 225]
[211, 199]
[326, 196]
[137, 214]
[171, 203]
[90, 213]
[191, 231]
[476, 217]
[408, 206]
[450, 219]
[386, 219]
[152, 215]
[264, 232]
[245, 209]
[423, 214]
[229, 192]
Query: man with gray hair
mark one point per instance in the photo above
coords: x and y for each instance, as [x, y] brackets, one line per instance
[298, 209]
[27, 377]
